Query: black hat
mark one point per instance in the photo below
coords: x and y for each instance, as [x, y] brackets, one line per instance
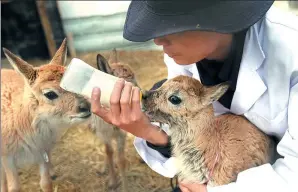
[147, 20]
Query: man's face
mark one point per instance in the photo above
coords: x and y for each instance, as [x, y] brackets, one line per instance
[192, 46]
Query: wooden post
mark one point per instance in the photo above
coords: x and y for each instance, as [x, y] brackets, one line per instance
[46, 27]
[70, 44]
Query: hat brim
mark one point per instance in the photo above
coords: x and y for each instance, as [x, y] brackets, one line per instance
[142, 24]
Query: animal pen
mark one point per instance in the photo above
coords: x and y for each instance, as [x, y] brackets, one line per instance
[34, 31]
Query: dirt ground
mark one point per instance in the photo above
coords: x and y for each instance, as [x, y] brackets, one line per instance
[79, 155]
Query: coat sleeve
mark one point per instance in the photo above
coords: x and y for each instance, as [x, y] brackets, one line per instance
[283, 174]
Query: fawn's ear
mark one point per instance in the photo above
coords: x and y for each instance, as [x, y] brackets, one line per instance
[21, 66]
[102, 64]
[61, 54]
[113, 56]
[213, 93]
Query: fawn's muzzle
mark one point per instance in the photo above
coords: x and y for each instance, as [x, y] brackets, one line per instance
[84, 107]
[145, 94]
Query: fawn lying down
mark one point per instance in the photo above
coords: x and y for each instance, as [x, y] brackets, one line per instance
[107, 132]
[207, 148]
[35, 112]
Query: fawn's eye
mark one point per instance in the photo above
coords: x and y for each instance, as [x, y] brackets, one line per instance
[51, 95]
[174, 100]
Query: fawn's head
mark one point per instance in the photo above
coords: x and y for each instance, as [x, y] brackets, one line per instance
[42, 92]
[179, 98]
[116, 68]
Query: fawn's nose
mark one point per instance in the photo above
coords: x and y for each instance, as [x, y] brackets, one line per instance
[145, 95]
[84, 106]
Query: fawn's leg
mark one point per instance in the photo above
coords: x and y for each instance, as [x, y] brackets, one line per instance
[51, 167]
[12, 177]
[3, 180]
[51, 171]
[121, 159]
[45, 177]
[104, 168]
[110, 164]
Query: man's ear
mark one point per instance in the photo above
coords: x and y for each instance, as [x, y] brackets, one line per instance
[213, 93]
[21, 66]
[61, 54]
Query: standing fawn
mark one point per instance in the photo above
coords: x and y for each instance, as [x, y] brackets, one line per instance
[107, 132]
[208, 149]
[35, 113]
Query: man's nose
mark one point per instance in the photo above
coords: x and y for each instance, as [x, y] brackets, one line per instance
[161, 41]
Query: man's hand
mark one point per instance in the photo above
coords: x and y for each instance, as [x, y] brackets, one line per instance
[125, 112]
[192, 187]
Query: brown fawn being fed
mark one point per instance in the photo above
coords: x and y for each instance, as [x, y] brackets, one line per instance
[107, 132]
[35, 113]
[208, 149]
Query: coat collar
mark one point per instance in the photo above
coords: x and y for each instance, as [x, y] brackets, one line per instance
[250, 85]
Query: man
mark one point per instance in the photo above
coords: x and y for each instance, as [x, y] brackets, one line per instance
[249, 43]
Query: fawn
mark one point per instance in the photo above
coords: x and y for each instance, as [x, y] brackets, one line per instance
[107, 132]
[35, 113]
[208, 149]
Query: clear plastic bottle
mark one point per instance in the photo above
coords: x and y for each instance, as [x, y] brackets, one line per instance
[81, 78]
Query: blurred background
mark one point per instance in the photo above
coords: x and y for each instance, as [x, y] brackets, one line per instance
[35, 29]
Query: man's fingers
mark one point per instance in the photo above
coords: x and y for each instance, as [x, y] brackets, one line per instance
[115, 98]
[96, 107]
[184, 189]
[192, 187]
[125, 100]
[136, 105]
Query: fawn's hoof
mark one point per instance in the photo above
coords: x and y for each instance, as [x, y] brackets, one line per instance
[112, 185]
[101, 173]
[54, 177]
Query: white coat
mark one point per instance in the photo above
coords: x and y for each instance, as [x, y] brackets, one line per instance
[266, 94]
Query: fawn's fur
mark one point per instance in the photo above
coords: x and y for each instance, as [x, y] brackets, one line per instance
[107, 132]
[207, 148]
[35, 113]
